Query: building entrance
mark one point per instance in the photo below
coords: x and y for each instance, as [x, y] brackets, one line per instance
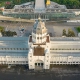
[39, 65]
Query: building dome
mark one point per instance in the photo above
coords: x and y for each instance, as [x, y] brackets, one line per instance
[39, 27]
[39, 32]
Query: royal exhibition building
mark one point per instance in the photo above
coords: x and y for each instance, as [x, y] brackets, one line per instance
[39, 49]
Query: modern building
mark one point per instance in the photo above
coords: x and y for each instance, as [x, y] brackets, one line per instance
[38, 8]
[39, 50]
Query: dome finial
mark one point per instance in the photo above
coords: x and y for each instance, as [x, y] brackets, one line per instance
[39, 19]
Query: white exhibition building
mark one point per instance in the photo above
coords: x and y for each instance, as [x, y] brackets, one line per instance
[39, 49]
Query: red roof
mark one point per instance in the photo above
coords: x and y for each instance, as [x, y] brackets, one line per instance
[39, 51]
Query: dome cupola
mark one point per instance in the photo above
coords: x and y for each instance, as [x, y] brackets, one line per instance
[39, 32]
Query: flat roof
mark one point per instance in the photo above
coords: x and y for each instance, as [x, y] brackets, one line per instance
[65, 54]
[13, 46]
[64, 38]
[14, 53]
[13, 42]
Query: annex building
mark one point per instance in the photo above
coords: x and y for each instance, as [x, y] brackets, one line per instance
[39, 50]
[38, 8]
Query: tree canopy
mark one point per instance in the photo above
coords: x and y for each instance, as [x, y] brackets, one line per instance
[74, 4]
[70, 33]
[69, 3]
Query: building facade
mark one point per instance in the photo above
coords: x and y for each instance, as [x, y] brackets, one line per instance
[38, 8]
[39, 50]
[39, 46]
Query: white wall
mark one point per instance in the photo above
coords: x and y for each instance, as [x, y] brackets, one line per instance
[13, 60]
[65, 60]
[45, 59]
[34, 37]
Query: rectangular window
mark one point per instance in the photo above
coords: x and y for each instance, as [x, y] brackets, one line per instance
[40, 37]
[37, 37]
[64, 62]
[26, 61]
[41, 64]
[38, 64]
[35, 64]
[51, 62]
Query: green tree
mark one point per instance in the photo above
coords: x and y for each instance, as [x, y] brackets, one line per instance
[64, 32]
[14, 33]
[9, 6]
[8, 33]
[69, 3]
[70, 33]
